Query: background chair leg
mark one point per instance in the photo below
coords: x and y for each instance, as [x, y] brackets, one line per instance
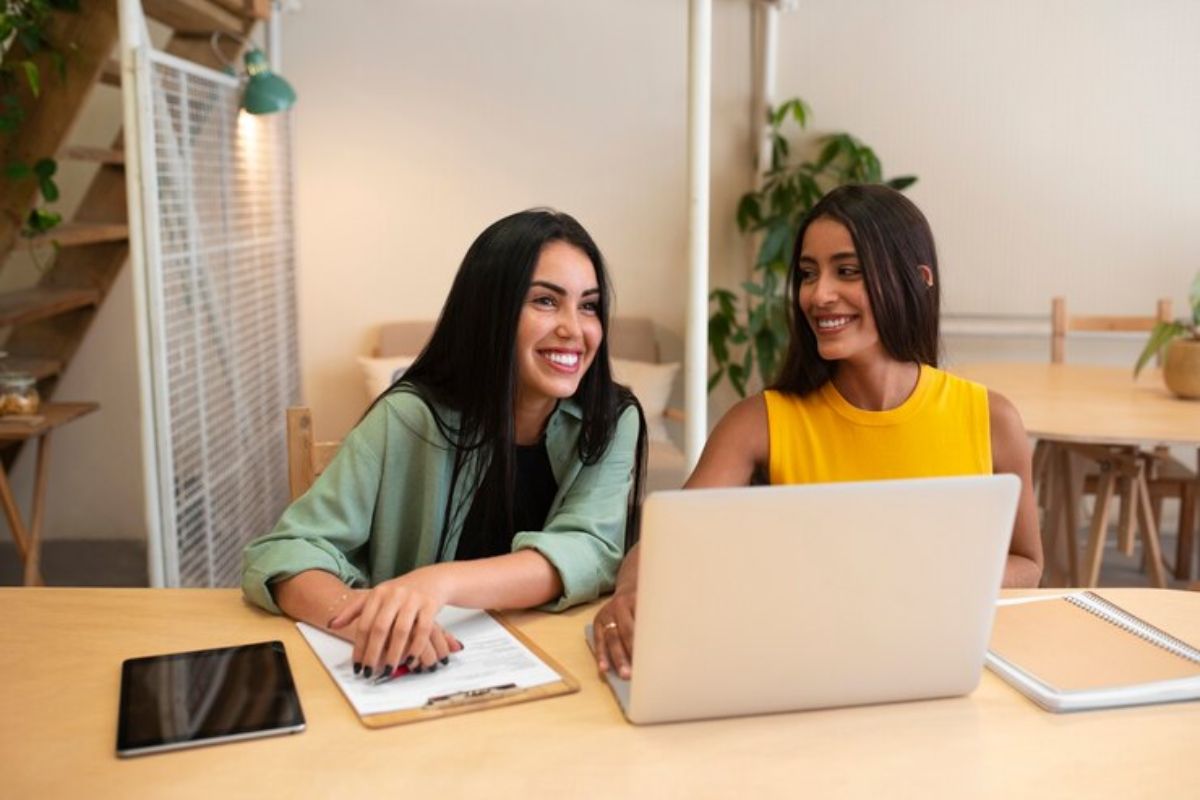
[1187, 533]
[1098, 532]
[1072, 488]
[1125, 520]
[33, 575]
[1149, 532]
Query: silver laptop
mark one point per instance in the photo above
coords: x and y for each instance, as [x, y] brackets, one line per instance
[768, 599]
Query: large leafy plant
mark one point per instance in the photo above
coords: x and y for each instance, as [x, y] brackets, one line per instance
[748, 334]
[23, 25]
[1165, 332]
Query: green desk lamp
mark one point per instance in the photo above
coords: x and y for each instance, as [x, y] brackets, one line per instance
[265, 92]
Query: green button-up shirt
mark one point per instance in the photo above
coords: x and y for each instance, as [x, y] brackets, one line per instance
[377, 510]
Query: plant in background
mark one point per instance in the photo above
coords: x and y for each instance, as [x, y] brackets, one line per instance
[1166, 332]
[23, 25]
[756, 338]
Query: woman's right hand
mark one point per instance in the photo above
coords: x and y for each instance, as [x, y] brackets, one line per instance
[394, 625]
[612, 633]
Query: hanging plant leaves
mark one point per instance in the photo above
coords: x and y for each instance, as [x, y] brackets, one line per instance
[32, 77]
[45, 168]
[17, 170]
[39, 221]
[49, 189]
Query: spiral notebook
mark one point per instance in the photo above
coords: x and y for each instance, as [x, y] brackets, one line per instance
[1079, 651]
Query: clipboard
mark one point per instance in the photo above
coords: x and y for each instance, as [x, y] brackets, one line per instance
[467, 694]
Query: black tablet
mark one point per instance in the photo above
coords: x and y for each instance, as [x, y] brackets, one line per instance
[206, 697]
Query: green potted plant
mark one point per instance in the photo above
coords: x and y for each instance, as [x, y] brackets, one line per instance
[1181, 339]
[755, 339]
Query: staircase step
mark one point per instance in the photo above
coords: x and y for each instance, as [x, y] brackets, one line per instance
[28, 305]
[196, 16]
[40, 368]
[102, 155]
[111, 74]
[77, 234]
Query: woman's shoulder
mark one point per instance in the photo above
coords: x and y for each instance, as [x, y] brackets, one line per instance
[1003, 415]
[937, 376]
[406, 409]
[746, 420]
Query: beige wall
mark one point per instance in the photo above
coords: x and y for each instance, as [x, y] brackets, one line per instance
[416, 130]
[1055, 139]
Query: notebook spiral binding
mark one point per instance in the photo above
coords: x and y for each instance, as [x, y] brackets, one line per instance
[1097, 605]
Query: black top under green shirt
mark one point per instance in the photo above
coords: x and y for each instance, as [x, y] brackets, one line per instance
[535, 488]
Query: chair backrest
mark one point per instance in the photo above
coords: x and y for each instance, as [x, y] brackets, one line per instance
[1062, 323]
[307, 458]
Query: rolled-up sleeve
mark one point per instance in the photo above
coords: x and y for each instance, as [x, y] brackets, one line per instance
[327, 527]
[585, 538]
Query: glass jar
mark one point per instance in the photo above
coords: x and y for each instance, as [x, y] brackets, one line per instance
[18, 394]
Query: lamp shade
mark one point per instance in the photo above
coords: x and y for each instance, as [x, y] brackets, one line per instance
[265, 92]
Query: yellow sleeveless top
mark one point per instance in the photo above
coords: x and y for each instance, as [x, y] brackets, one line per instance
[941, 429]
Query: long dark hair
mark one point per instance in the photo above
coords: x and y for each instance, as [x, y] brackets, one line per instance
[892, 239]
[469, 366]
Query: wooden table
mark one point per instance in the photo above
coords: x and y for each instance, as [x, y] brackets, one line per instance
[39, 427]
[1088, 404]
[1103, 415]
[61, 653]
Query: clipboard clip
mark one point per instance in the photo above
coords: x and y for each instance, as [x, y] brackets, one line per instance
[471, 696]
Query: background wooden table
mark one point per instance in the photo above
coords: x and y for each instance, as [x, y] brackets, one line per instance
[28, 537]
[1090, 404]
[61, 651]
[1104, 416]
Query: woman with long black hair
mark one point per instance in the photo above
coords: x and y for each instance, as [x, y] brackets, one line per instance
[502, 470]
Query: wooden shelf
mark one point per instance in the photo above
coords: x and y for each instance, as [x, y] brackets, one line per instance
[78, 234]
[111, 72]
[196, 16]
[101, 155]
[17, 308]
[49, 416]
[40, 368]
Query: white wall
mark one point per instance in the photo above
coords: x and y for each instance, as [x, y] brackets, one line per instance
[420, 123]
[1056, 140]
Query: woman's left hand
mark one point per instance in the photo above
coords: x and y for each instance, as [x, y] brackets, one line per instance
[396, 621]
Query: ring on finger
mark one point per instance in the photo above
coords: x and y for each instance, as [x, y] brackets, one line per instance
[609, 626]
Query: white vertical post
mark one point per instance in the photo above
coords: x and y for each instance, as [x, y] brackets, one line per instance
[699, 127]
[768, 13]
[274, 37]
[134, 38]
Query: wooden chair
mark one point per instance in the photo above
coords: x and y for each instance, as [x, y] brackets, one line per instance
[1142, 479]
[1062, 324]
[307, 458]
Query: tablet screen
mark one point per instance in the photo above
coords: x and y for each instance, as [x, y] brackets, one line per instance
[205, 697]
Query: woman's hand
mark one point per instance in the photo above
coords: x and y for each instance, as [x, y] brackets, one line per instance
[394, 624]
[612, 630]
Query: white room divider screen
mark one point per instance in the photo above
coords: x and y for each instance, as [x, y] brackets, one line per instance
[218, 286]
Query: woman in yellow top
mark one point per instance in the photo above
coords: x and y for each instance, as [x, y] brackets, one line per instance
[859, 396]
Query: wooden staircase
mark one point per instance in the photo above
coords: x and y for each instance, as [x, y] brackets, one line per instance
[47, 322]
